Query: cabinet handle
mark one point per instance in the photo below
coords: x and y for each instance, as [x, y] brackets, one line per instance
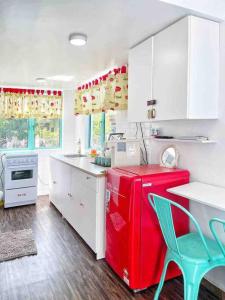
[81, 204]
[151, 102]
[54, 182]
[88, 177]
[70, 195]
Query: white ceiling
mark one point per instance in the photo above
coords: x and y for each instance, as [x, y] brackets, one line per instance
[34, 36]
[212, 9]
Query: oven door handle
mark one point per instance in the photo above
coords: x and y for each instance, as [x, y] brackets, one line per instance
[22, 167]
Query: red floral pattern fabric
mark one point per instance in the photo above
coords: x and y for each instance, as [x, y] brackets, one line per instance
[20, 104]
[109, 92]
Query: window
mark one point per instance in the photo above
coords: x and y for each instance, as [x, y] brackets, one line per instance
[110, 123]
[47, 133]
[97, 130]
[30, 133]
[100, 125]
[14, 133]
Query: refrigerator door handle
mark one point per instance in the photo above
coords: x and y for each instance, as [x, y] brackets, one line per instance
[147, 184]
[107, 197]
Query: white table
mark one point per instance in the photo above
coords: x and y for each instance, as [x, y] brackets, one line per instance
[206, 194]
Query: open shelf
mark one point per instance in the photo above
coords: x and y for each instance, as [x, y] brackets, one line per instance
[184, 141]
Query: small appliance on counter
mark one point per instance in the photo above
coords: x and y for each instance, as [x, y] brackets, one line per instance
[20, 178]
[135, 248]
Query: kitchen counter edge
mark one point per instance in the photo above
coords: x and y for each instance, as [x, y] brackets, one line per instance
[83, 164]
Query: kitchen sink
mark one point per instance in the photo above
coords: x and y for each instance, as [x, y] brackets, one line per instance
[74, 155]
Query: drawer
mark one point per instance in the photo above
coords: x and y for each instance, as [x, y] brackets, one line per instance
[20, 196]
[89, 181]
[85, 179]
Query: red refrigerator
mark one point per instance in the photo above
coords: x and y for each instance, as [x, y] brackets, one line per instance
[135, 248]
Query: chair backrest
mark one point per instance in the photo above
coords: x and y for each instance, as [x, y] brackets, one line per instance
[212, 223]
[164, 214]
[162, 207]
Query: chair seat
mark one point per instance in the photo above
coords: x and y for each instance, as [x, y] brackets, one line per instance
[191, 247]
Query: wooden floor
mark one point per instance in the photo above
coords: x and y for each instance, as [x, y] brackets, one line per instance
[64, 268]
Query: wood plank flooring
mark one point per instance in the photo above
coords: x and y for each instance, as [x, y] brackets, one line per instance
[65, 268]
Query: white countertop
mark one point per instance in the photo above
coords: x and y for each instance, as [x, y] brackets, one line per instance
[82, 163]
[206, 194]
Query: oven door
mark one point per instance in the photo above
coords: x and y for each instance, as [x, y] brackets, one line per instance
[20, 176]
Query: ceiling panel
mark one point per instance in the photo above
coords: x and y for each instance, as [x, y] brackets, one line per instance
[34, 36]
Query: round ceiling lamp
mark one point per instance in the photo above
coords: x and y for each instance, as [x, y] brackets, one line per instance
[41, 79]
[78, 39]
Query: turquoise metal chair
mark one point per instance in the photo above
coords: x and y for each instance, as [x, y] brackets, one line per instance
[194, 253]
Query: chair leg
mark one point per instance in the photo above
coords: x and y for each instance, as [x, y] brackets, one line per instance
[159, 288]
[191, 290]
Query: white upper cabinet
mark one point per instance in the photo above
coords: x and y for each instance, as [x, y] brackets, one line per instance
[186, 70]
[140, 81]
[185, 73]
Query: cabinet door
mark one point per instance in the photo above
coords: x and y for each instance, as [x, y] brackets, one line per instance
[60, 177]
[170, 71]
[81, 207]
[65, 172]
[54, 188]
[71, 209]
[140, 81]
[87, 213]
[204, 45]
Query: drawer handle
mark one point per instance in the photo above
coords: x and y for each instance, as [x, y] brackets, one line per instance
[54, 182]
[81, 204]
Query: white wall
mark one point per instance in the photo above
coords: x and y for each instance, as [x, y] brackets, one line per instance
[68, 142]
[69, 130]
[81, 130]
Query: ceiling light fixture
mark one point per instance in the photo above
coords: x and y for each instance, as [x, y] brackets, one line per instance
[61, 78]
[78, 39]
[41, 79]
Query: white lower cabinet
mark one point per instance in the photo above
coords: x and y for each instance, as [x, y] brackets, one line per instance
[87, 212]
[80, 198]
[60, 181]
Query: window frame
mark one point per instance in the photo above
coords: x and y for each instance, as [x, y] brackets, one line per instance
[102, 131]
[31, 138]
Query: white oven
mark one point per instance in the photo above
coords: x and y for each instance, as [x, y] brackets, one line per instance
[20, 178]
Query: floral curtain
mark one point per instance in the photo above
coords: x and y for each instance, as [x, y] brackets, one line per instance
[109, 92]
[27, 103]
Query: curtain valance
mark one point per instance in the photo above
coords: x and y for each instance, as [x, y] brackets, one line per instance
[108, 92]
[29, 103]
